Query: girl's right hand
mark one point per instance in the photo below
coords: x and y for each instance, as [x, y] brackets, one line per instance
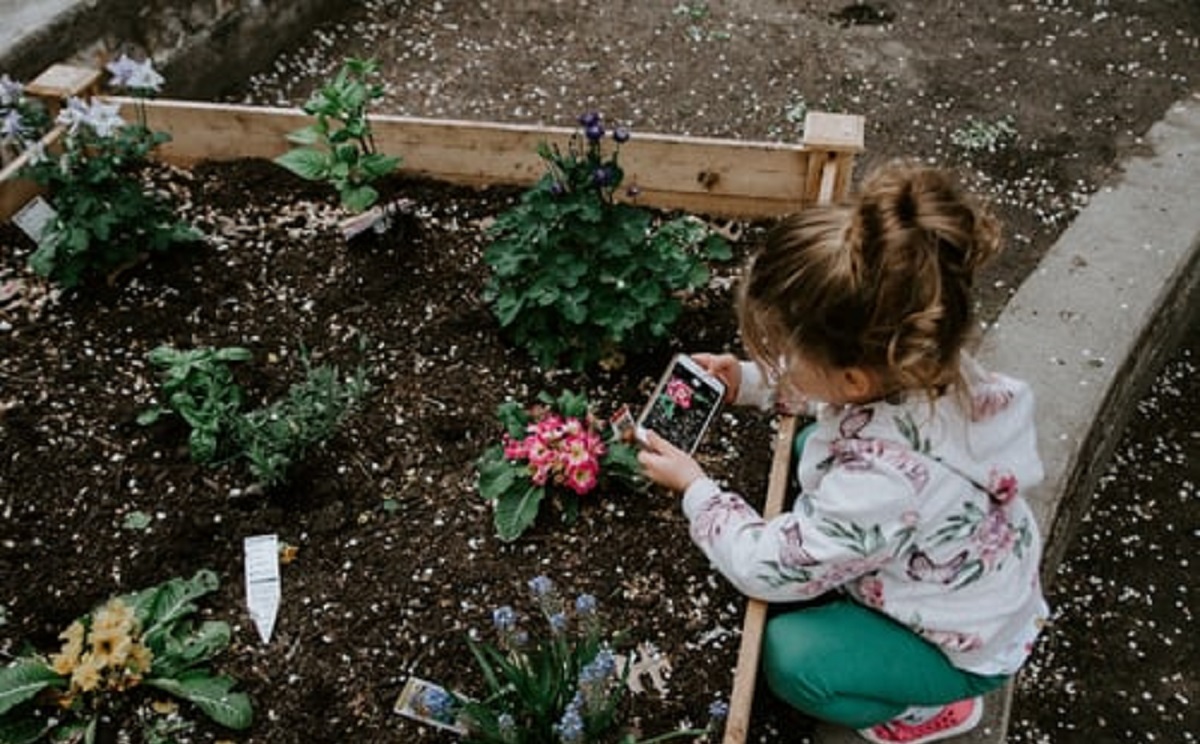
[726, 368]
[667, 465]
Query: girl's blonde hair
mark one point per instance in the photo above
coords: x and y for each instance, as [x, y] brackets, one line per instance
[883, 282]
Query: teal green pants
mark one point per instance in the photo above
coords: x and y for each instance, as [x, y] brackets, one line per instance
[847, 664]
[841, 662]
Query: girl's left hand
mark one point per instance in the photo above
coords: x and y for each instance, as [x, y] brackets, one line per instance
[667, 465]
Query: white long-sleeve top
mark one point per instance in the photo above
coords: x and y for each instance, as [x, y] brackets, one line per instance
[914, 508]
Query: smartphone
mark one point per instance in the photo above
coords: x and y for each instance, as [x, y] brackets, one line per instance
[684, 403]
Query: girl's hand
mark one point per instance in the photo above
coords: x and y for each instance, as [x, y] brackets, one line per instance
[667, 465]
[724, 367]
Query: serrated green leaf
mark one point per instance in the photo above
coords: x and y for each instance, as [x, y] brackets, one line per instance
[212, 695]
[309, 135]
[305, 162]
[515, 512]
[22, 680]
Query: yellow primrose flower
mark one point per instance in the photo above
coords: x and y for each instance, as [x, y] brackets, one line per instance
[114, 615]
[64, 662]
[111, 648]
[140, 658]
[86, 676]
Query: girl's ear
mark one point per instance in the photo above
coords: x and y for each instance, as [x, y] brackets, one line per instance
[859, 384]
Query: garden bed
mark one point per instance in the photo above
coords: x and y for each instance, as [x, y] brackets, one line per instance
[396, 557]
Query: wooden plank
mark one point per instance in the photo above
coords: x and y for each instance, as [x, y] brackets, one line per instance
[703, 175]
[741, 699]
[15, 191]
[829, 183]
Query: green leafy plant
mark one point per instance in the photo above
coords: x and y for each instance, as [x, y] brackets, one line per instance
[577, 275]
[148, 639]
[566, 687]
[274, 437]
[339, 147]
[199, 386]
[105, 215]
[554, 447]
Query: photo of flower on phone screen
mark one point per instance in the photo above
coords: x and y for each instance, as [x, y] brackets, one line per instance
[682, 410]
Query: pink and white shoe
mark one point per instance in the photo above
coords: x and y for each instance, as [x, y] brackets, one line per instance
[949, 720]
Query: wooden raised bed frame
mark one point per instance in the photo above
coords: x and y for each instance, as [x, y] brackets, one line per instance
[717, 177]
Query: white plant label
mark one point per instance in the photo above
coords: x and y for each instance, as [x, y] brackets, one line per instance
[33, 218]
[262, 582]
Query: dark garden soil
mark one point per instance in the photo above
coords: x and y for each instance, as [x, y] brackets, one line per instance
[396, 561]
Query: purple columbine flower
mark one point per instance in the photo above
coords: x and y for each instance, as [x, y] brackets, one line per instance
[12, 127]
[602, 176]
[621, 135]
[633, 192]
[590, 119]
[594, 132]
[127, 73]
[557, 188]
[11, 91]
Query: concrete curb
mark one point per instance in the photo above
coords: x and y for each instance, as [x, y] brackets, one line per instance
[1090, 329]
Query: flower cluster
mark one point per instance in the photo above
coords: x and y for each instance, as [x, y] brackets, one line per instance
[561, 450]
[106, 217]
[110, 660]
[553, 448]
[22, 120]
[580, 273]
[108, 655]
[564, 687]
[94, 117]
[138, 77]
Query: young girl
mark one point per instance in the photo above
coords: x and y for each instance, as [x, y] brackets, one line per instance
[910, 513]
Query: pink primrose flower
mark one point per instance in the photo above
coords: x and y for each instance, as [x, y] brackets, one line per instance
[575, 452]
[515, 449]
[550, 428]
[572, 427]
[540, 474]
[583, 478]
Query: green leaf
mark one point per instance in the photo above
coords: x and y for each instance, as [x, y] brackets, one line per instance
[359, 198]
[375, 165]
[309, 135]
[211, 695]
[25, 730]
[22, 680]
[516, 512]
[305, 162]
[496, 474]
[171, 601]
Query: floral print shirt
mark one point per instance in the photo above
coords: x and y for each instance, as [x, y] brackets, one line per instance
[913, 508]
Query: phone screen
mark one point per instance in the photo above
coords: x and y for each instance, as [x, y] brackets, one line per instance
[683, 404]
